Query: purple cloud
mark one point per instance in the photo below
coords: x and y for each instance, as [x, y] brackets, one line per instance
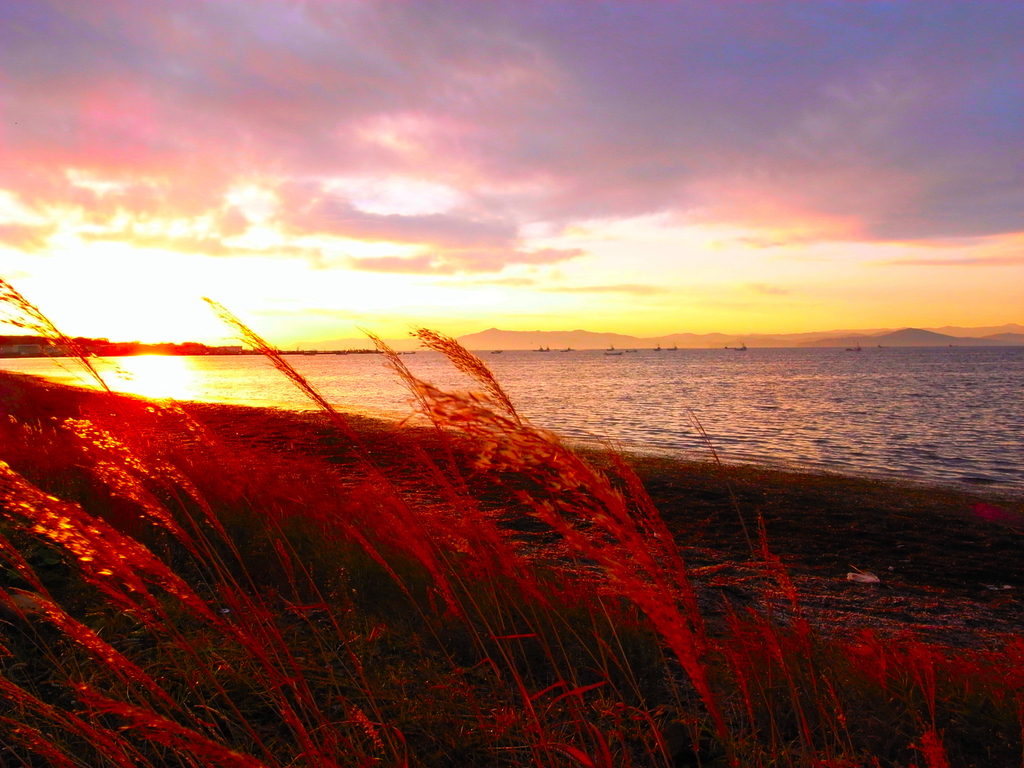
[325, 215]
[888, 121]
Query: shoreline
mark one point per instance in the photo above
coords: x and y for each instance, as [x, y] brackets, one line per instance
[663, 460]
[1004, 492]
[948, 560]
[647, 461]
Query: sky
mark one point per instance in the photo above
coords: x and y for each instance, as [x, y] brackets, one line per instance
[636, 167]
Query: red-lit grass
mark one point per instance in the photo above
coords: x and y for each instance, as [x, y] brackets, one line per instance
[171, 600]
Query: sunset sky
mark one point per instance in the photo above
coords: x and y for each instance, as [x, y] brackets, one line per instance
[644, 167]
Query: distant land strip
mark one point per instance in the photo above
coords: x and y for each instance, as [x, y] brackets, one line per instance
[495, 339]
[39, 346]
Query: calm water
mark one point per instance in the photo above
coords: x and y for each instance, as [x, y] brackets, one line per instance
[937, 415]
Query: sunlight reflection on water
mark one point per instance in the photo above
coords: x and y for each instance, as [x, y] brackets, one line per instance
[154, 376]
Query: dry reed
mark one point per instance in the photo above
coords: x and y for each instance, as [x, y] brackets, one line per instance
[190, 602]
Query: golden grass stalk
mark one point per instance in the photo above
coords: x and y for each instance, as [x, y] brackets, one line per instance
[18, 311]
[470, 364]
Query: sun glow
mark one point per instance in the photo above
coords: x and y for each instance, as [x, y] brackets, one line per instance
[155, 377]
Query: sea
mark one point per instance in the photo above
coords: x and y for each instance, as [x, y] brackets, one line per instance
[948, 416]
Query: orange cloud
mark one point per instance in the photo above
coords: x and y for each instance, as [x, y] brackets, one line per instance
[961, 261]
[26, 237]
[630, 288]
[768, 290]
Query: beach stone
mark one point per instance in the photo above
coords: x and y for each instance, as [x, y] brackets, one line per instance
[862, 578]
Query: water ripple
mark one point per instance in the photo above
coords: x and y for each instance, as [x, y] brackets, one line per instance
[941, 415]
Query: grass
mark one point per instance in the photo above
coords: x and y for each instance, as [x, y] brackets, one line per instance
[472, 592]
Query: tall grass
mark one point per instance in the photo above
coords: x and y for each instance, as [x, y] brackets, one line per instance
[474, 594]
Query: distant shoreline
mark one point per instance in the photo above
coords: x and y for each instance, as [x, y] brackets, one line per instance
[497, 340]
[141, 353]
[62, 354]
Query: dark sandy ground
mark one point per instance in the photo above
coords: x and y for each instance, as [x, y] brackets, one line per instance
[950, 563]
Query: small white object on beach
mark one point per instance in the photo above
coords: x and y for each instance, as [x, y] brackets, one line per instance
[862, 578]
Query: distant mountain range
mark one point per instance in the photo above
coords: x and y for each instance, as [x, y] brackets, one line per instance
[494, 338]
[920, 337]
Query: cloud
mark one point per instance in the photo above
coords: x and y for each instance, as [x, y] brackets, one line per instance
[631, 288]
[323, 215]
[963, 261]
[25, 237]
[500, 282]
[233, 222]
[424, 264]
[456, 261]
[547, 255]
[879, 122]
[768, 290]
[204, 245]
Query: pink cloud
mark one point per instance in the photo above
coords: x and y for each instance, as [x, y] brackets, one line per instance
[841, 117]
[963, 261]
[456, 261]
[425, 264]
[548, 255]
[233, 223]
[25, 237]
